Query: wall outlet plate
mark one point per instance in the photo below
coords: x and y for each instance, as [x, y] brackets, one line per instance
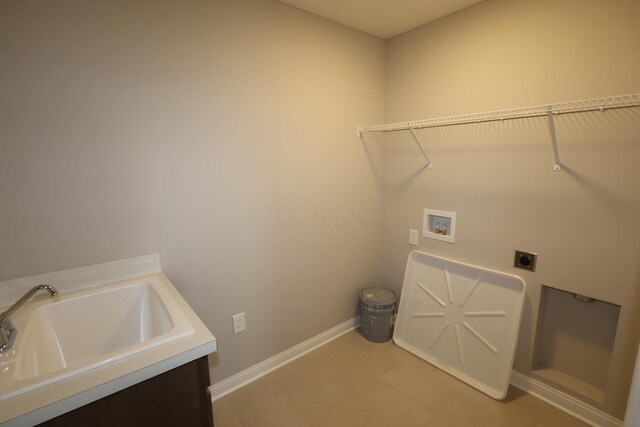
[525, 260]
[238, 323]
[413, 237]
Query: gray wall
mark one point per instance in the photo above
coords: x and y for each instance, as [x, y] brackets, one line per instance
[220, 134]
[498, 177]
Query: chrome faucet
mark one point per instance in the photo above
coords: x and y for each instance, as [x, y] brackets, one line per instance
[7, 331]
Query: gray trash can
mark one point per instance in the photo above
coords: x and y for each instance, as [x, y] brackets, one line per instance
[376, 313]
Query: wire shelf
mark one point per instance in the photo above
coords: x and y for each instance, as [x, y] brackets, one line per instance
[595, 104]
[549, 110]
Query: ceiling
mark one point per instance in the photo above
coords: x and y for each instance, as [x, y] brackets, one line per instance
[381, 18]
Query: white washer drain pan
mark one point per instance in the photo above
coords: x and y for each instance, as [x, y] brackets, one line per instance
[462, 319]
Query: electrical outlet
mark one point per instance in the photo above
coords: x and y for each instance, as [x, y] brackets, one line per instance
[238, 323]
[413, 237]
[525, 260]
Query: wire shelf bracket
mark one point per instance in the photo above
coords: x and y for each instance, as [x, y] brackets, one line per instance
[424, 153]
[554, 141]
[548, 110]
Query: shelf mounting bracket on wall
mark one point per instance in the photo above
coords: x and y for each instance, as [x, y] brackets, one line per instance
[554, 141]
[424, 153]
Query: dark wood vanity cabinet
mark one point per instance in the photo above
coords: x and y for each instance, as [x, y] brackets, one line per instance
[178, 397]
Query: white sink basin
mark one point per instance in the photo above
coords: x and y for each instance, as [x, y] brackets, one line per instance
[94, 339]
[93, 328]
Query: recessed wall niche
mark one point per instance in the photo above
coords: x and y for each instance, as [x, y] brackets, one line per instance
[574, 343]
[439, 225]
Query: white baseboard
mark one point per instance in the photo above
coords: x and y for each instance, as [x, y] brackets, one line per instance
[563, 401]
[251, 374]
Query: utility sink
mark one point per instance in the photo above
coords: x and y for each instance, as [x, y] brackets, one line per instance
[86, 329]
[93, 337]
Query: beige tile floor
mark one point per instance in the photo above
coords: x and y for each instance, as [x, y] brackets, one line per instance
[353, 382]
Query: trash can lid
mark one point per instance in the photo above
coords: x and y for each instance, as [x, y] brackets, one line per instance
[377, 297]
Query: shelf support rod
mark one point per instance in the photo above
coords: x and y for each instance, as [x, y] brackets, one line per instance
[554, 142]
[424, 153]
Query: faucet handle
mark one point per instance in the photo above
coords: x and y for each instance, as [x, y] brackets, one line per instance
[7, 335]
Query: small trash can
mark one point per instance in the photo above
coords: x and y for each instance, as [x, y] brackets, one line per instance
[376, 313]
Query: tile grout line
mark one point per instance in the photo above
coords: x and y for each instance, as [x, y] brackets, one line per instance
[291, 403]
[239, 380]
[235, 414]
